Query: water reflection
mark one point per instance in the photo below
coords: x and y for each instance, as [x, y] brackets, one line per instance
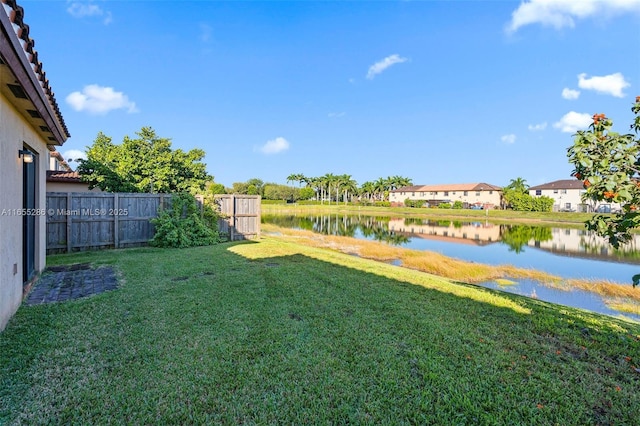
[404, 231]
[564, 252]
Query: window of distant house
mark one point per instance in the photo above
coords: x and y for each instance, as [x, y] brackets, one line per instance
[538, 191]
[466, 193]
[490, 192]
[446, 193]
[413, 194]
[477, 193]
[555, 191]
[567, 206]
[563, 191]
[422, 194]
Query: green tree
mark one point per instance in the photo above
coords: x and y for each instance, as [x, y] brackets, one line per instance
[239, 188]
[516, 195]
[257, 185]
[306, 193]
[214, 188]
[518, 184]
[608, 163]
[143, 164]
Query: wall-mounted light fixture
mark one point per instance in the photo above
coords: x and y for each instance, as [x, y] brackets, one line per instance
[27, 156]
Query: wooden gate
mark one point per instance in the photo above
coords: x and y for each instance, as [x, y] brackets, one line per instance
[240, 216]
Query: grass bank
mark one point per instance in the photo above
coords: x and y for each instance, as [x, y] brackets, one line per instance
[275, 332]
[621, 296]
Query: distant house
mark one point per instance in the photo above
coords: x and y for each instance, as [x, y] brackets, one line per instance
[31, 125]
[481, 194]
[567, 196]
[67, 181]
[57, 162]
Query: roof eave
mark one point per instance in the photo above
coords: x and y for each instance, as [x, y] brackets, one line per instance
[14, 55]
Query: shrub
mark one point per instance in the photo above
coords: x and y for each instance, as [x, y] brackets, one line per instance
[185, 224]
[414, 203]
[457, 204]
[382, 204]
[444, 205]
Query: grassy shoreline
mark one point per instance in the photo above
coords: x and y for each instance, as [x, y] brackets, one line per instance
[274, 331]
[620, 295]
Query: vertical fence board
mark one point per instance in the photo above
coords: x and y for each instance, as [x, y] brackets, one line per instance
[87, 220]
[240, 216]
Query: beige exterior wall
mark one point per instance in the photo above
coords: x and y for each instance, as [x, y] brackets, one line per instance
[15, 133]
[471, 197]
[70, 187]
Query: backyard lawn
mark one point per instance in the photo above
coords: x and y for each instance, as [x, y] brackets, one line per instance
[274, 332]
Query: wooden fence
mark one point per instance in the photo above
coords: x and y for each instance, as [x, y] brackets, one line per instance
[92, 220]
[240, 216]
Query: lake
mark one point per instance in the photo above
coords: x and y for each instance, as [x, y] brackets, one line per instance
[565, 252]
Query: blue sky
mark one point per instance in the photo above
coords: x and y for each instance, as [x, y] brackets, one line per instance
[437, 91]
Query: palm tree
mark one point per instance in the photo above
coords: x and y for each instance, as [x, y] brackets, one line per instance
[314, 182]
[381, 187]
[296, 177]
[347, 184]
[518, 184]
[367, 189]
[330, 181]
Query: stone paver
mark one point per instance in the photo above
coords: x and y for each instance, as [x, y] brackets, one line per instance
[60, 283]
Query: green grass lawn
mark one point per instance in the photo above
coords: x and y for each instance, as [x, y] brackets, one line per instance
[274, 332]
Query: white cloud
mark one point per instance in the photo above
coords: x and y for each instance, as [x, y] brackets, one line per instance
[336, 114]
[275, 146]
[563, 13]
[74, 154]
[537, 127]
[80, 10]
[510, 138]
[611, 84]
[100, 100]
[573, 121]
[570, 93]
[382, 65]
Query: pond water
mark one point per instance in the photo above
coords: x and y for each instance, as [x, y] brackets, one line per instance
[565, 252]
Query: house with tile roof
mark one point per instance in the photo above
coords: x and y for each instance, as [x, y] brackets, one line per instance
[470, 194]
[31, 126]
[567, 196]
[67, 181]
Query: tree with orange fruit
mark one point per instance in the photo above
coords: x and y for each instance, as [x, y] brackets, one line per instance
[608, 163]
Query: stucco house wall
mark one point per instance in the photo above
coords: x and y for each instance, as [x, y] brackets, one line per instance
[29, 119]
[466, 193]
[16, 134]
